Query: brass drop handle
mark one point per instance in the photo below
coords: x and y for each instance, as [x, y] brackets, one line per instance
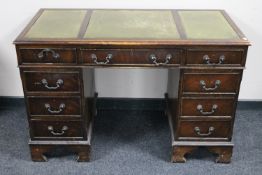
[45, 52]
[51, 129]
[107, 59]
[201, 110]
[205, 88]
[61, 108]
[206, 59]
[59, 83]
[154, 59]
[198, 131]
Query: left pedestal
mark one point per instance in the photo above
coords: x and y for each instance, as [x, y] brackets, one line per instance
[60, 106]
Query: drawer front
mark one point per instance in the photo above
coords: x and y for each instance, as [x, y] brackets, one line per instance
[48, 55]
[54, 105]
[51, 81]
[194, 130]
[211, 82]
[56, 129]
[207, 107]
[156, 57]
[215, 58]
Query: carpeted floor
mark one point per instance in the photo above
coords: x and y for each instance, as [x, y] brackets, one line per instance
[131, 142]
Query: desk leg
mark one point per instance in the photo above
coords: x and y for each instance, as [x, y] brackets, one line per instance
[224, 153]
[37, 152]
[179, 152]
[83, 153]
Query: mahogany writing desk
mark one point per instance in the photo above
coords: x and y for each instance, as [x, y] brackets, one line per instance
[203, 50]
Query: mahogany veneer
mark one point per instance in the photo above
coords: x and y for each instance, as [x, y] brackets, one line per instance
[203, 50]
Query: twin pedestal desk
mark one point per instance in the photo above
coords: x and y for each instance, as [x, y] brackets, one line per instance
[203, 50]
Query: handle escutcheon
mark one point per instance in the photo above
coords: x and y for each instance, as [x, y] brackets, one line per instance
[63, 130]
[201, 110]
[205, 88]
[221, 60]
[154, 59]
[61, 108]
[107, 59]
[45, 52]
[59, 83]
[198, 131]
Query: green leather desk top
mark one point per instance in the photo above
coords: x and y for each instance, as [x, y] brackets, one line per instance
[127, 24]
[131, 25]
[57, 24]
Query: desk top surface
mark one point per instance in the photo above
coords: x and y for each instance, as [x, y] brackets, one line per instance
[132, 27]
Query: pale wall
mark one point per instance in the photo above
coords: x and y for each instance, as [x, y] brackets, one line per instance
[137, 83]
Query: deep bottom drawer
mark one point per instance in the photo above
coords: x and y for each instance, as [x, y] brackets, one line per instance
[204, 130]
[65, 130]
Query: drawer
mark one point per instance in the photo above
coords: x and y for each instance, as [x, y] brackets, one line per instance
[215, 57]
[56, 129]
[204, 130]
[156, 57]
[207, 106]
[211, 82]
[54, 105]
[48, 55]
[35, 81]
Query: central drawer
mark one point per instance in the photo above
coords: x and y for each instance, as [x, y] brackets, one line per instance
[54, 105]
[156, 57]
[65, 130]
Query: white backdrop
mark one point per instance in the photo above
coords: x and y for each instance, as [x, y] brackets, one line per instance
[133, 83]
